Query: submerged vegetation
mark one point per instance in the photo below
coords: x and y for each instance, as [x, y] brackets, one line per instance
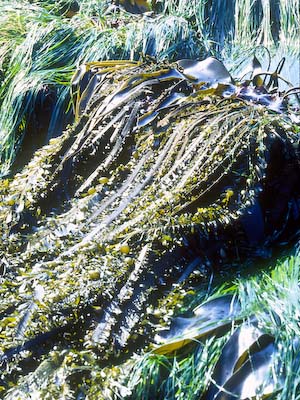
[128, 185]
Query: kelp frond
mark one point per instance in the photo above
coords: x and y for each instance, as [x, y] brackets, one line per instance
[97, 31]
[161, 174]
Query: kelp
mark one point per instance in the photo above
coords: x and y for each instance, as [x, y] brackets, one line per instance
[246, 359]
[209, 320]
[42, 43]
[168, 168]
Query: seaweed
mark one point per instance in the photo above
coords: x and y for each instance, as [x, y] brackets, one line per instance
[109, 216]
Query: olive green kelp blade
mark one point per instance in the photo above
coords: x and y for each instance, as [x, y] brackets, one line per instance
[159, 175]
[244, 369]
[211, 318]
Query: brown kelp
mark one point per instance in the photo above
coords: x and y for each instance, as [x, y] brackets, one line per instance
[43, 41]
[169, 168]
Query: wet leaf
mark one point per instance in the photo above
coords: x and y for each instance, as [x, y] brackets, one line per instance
[209, 70]
[238, 350]
[253, 379]
[210, 318]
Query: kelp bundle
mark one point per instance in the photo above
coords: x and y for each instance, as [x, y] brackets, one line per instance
[169, 168]
[40, 47]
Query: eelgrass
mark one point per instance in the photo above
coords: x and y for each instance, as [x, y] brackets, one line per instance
[181, 377]
[45, 50]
